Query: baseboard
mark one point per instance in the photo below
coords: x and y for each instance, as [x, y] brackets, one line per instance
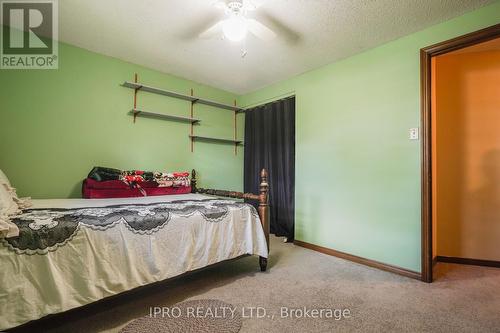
[468, 261]
[360, 260]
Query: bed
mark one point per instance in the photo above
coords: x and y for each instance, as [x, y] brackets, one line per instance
[72, 252]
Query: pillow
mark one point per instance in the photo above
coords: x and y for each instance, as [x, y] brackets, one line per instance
[21, 202]
[7, 204]
[3, 178]
[7, 228]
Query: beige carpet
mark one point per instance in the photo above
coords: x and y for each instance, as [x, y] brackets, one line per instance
[463, 299]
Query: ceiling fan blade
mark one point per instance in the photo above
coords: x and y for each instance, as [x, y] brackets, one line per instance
[197, 25]
[212, 31]
[288, 34]
[260, 30]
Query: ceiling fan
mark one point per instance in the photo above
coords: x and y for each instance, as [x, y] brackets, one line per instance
[236, 24]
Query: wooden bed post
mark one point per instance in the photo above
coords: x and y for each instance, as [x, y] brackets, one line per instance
[264, 213]
[193, 181]
[262, 198]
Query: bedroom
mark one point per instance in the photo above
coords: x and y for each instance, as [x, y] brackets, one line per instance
[347, 79]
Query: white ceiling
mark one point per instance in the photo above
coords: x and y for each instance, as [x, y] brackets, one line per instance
[161, 34]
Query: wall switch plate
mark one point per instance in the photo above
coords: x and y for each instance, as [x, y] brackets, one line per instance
[414, 133]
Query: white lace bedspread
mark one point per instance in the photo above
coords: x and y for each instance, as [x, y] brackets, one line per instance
[76, 251]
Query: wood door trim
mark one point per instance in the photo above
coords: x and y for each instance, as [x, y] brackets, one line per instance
[426, 55]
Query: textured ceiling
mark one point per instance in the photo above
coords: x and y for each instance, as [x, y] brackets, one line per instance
[161, 34]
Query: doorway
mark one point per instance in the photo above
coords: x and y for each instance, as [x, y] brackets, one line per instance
[430, 58]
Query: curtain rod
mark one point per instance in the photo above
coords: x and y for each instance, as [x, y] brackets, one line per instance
[270, 99]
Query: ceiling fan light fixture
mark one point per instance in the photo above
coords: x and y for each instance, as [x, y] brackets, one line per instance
[235, 28]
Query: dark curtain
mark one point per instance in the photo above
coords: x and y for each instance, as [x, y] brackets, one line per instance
[270, 144]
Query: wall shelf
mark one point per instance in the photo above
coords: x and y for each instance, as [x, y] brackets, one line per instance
[212, 139]
[140, 112]
[193, 99]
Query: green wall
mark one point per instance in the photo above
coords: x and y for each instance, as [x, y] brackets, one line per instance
[357, 173]
[55, 125]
